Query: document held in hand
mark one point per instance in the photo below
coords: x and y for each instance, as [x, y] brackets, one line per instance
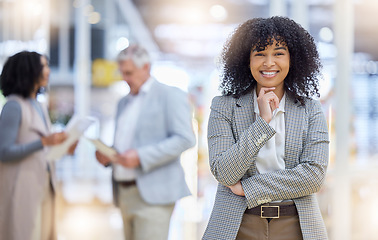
[75, 128]
[104, 149]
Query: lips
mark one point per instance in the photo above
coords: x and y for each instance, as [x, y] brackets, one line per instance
[269, 74]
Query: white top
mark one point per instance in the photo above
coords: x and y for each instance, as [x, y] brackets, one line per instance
[271, 156]
[126, 125]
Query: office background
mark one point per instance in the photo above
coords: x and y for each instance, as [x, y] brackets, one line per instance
[82, 38]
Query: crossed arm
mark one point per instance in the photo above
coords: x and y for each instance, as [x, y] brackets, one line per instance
[231, 159]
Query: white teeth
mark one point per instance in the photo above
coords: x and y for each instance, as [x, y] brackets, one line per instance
[269, 73]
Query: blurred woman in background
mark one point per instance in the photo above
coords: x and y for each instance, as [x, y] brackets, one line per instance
[26, 177]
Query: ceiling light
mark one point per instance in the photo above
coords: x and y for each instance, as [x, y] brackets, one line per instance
[94, 18]
[218, 12]
[326, 34]
[122, 43]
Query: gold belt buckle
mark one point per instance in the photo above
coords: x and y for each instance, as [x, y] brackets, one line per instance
[278, 211]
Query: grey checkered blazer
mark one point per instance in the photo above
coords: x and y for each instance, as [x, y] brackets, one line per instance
[234, 139]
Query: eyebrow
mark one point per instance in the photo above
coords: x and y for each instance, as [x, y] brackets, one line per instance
[277, 48]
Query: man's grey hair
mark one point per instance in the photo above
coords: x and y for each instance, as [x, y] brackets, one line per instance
[136, 53]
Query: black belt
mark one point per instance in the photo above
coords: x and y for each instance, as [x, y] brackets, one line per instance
[273, 210]
[127, 183]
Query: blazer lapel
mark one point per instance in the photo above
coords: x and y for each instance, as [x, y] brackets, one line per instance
[294, 121]
[148, 102]
[244, 114]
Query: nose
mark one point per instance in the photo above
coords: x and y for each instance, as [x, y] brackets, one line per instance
[269, 61]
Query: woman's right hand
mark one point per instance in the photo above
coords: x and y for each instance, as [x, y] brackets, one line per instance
[54, 139]
[267, 101]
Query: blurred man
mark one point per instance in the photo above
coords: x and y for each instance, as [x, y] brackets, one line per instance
[153, 128]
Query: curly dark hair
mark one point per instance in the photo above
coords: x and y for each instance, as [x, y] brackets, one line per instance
[20, 74]
[302, 80]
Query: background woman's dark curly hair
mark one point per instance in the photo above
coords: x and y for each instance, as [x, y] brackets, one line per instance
[302, 79]
[20, 74]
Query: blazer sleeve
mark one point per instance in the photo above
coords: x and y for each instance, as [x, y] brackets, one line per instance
[304, 179]
[230, 159]
[180, 135]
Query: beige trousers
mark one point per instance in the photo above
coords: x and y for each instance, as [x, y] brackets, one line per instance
[143, 221]
[254, 227]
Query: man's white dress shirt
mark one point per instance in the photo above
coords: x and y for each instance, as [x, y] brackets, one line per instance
[126, 125]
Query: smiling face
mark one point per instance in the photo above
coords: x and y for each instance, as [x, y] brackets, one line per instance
[270, 66]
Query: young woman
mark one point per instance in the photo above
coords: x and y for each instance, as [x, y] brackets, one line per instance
[268, 139]
[26, 178]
